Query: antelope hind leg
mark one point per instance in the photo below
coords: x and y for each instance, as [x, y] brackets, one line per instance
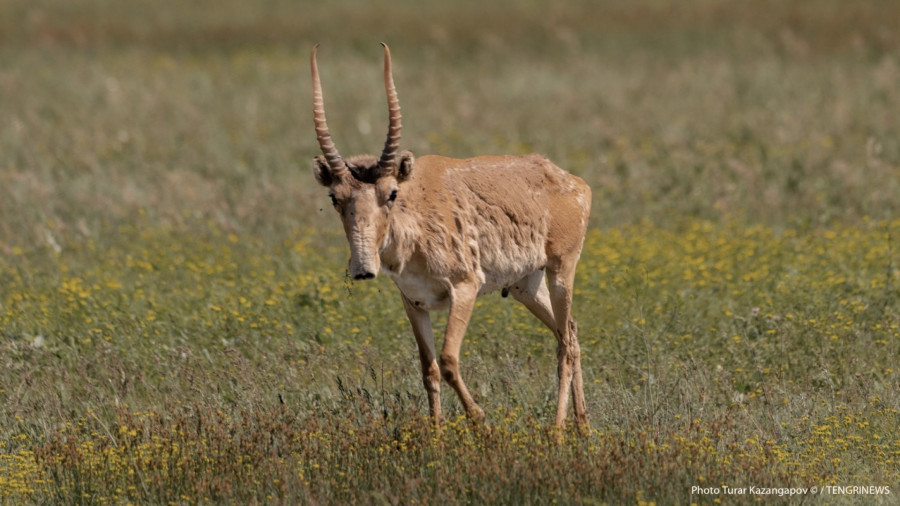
[560, 285]
[532, 292]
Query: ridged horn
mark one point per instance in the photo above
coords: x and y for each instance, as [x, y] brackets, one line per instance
[325, 143]
[392, 144]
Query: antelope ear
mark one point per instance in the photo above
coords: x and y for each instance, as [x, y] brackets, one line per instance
[405, 162]
[322, 171]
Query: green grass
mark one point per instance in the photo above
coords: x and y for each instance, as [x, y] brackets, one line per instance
[175, 321]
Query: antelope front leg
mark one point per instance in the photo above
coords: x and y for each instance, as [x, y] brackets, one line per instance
[431, 374]
[462, 301]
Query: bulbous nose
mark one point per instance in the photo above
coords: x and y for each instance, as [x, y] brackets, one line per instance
[364, 275]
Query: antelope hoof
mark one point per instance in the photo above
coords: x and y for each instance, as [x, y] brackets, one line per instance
[583, 426]
[476, 415]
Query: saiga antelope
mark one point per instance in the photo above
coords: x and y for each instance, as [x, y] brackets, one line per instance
[448, 230]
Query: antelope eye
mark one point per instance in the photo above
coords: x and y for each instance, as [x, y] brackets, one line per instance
[393, 196]
[334, 201]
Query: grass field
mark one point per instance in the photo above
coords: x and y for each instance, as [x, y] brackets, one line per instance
[175, 321]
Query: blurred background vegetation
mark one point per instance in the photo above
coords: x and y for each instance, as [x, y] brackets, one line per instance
[780, 112]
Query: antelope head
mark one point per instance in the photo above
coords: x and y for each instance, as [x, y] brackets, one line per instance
[363, 189]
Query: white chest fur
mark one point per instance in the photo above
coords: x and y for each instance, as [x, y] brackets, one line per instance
[424, 292]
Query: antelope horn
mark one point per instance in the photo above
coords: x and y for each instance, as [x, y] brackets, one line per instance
[325, 143]
[392, 144]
